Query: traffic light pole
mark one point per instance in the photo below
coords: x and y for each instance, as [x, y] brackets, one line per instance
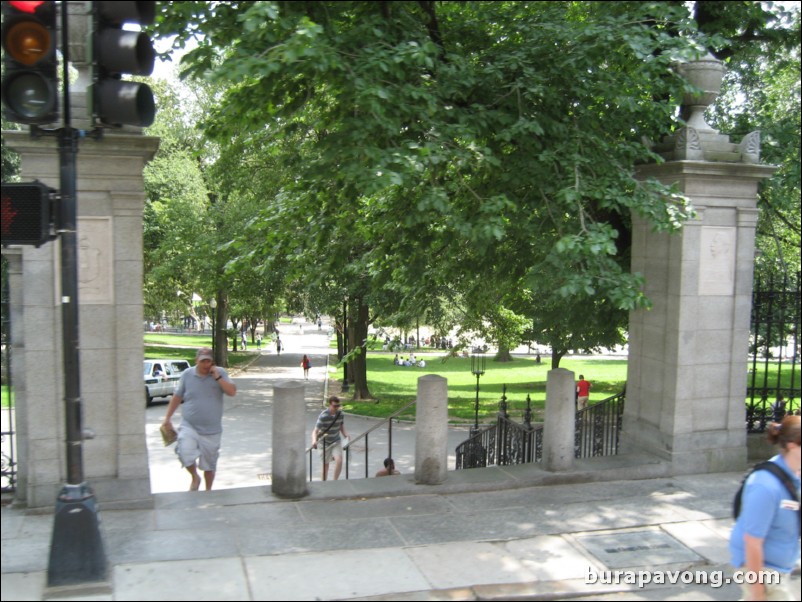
[76, 548]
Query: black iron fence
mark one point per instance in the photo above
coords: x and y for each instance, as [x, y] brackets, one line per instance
[598, 428]
[773, 387]
[8, 479]
[506, 442]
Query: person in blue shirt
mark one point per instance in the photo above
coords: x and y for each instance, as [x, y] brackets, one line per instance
[766, 535]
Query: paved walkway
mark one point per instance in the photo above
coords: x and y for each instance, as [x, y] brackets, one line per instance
[490, 534]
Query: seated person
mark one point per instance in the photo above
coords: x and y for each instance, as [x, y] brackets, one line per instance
[778, 409]
[421, 364]
[388, 470]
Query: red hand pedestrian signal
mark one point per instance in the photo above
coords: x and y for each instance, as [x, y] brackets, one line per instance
[25, 214]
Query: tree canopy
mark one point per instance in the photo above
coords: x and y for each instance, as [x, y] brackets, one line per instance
[406, 153]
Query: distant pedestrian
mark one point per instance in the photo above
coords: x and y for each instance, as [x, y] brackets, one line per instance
[278, 346]
[258, 341]
[200, 393]
[330, 426]
[306, 364]
[244, 341]
[766, 534]
[389, 469]
[582, 392]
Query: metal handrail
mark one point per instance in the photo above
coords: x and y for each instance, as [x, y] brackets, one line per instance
[365, 435]
[598, 427]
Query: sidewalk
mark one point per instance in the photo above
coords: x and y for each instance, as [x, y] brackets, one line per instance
[490, 534]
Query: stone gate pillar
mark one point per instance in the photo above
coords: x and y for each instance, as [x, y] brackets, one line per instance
[686, 382]
[110, 203]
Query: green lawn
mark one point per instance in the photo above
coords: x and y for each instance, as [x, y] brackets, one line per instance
[184, 346]
[6, 396]
[188, 353]
[394, 386]
[188, 340]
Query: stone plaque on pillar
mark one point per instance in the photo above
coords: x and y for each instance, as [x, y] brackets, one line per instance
[717, 261]
[95, 261]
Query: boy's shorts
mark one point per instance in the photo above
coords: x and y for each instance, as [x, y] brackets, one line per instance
[333, 451]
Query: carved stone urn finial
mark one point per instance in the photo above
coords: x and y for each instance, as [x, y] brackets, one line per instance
[705, 74]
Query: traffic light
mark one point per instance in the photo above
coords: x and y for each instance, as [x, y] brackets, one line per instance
[115, 51]
[26, 214]
[30, 82]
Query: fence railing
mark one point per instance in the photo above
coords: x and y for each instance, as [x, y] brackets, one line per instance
[598, 428]
[352, 443]
[773, 387]
[366, 436]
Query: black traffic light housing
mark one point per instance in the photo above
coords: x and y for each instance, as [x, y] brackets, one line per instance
[30, 80]
[115, 51]
[27, 214]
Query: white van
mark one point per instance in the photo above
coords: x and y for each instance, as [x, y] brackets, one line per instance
[161, 377]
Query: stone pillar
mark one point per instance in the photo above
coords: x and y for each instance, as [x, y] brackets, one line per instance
[289, 436]
[559, 420]
[431, 430]
[687, 369]
[110, 201]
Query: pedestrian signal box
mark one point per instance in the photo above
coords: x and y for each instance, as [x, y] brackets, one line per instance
[26, 214]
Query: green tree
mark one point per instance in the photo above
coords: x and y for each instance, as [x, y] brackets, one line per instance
[761, 92]
[403, 149]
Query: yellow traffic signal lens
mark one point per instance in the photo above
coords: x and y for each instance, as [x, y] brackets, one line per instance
[28, 42]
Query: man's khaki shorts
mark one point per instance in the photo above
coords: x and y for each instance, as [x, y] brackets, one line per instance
[333, 451]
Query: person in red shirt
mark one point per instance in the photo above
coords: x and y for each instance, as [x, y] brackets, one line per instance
[582, 392]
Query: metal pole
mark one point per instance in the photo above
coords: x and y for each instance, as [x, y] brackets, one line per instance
[76, 549]
[476, 405]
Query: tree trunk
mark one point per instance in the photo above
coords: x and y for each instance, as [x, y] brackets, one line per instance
[338, 325]
[359, 337]
[556, 356]
[235, 328]
[503, 354]
[345, 349]
[220, 342]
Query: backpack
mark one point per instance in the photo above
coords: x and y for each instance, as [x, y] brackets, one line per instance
[777, 472]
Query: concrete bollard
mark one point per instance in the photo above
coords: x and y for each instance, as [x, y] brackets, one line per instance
[559, 421]
[289, 438]
[431, 430]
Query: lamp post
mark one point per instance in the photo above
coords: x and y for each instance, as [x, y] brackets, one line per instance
[213, 306]
[477, 368]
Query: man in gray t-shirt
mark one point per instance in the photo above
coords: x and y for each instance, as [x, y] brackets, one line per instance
[201, 390]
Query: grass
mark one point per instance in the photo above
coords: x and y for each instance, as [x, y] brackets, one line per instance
[184, 346]
[188, 340]
[394, 386]
[188, 353]
[6, 397]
